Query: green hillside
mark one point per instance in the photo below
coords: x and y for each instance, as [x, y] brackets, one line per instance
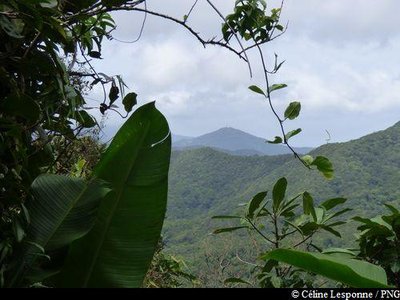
[205, 182]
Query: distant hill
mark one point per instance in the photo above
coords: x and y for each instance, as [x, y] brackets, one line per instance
[178, 138]
[205, 182]
[233, 141]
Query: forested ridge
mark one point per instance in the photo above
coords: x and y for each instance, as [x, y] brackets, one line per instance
[205, 182]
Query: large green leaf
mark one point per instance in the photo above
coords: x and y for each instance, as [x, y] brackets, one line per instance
[355, 273]
[63, 210]
[118, 250]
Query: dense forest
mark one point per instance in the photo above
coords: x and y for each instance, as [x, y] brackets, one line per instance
[205, 183]
[77, 211]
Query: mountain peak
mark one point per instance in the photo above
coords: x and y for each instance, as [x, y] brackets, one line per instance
[235, 141]
[227, 131]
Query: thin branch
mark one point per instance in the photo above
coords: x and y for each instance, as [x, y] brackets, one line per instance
[190, 11]
[133, 7]
[303, 241]
[141, 29]
[268, 96]
[260, 233]
[123, 117]
[31, 44]
[197, 35]
[266, 41]
[235, 35]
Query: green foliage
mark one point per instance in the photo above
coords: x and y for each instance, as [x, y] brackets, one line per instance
[75, 222]
[278, 193]
[281, 224]
[351, 272]
[40, 97]
[64, 210]
[293, 110]
[324, 166]
[379, 242]
[277, 140]
[251, 21]
[206, 183]
[256, 89]
[129, 101]
[292, 133]
[254, 204]
[166, 271]
[130, 217]
[277, 86]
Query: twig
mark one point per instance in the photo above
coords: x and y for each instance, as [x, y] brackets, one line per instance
[235, 35]
[260, 233]
[141, 29]
[190, 11]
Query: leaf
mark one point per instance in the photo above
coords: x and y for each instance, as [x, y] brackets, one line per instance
[255, 203]
[236, 280]
[26, 213]
[277, 67]
[277, 140]
[118, 250]
[228, 229]
[288, 211]
[292, 133]
[340, 251]
[331, 230]
[22, 106]
[278, 86]
[276, 281]
[336, 214]
[63, 210]
[256, 89]
[324, 166]
[294, 226]
[392, 208]
[94, 54]
[49, 3]
[19, 231]
[293, 110]
[309, 228]
[355, 273]
[278, 193]
[308, 159]
[331, 203]
[85, 119]
[96, 81]
[12, 28]
[113, 94]
[308, 205]
[129, 101]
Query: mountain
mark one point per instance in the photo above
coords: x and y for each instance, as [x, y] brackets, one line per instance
[178, 138]
[234, 141]
[205, 182]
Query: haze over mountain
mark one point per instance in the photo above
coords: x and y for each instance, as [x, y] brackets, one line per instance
[205, 182]
[235, 142]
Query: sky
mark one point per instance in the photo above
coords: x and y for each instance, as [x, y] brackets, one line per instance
[342, 62]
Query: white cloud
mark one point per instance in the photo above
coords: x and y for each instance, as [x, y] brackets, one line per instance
[341, 62]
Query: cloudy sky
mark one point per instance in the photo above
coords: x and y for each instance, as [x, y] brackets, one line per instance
[342, 62]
